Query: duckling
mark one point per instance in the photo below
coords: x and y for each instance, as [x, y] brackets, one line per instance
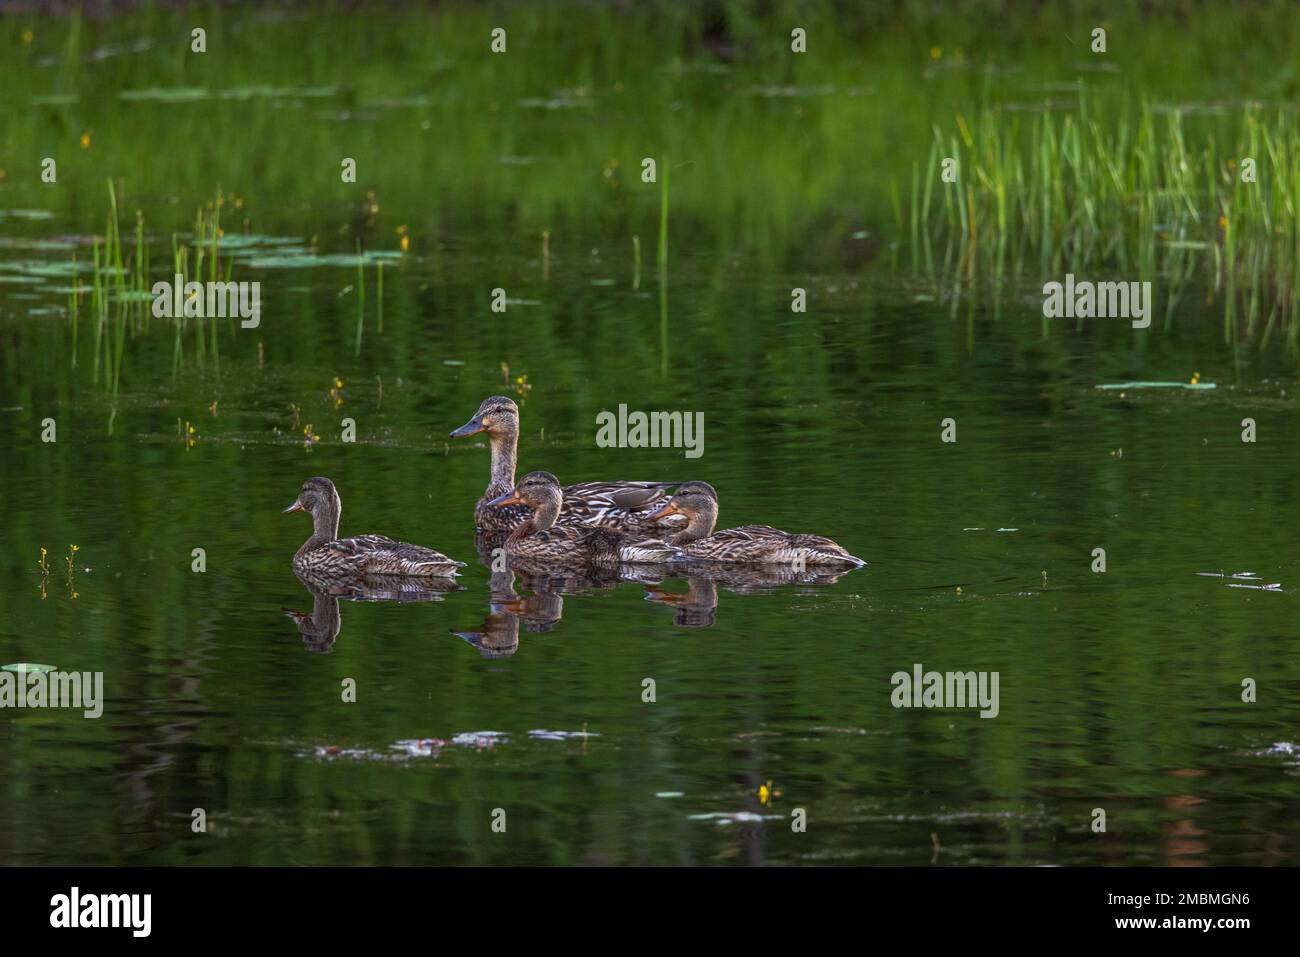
[747, 544]
[325, 553]
[620, 505]
[539, 537]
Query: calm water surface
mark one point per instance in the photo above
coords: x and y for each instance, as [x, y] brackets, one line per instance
[1118, 690]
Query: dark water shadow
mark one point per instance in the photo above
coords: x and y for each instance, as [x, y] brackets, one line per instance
[320, 627]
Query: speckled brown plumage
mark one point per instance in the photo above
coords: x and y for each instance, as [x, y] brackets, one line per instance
[540, 538]
[619, 505]
[326, 554]
[746, 544]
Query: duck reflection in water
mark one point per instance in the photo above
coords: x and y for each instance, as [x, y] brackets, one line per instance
[697, 607]
[547, 584]
[320, 627]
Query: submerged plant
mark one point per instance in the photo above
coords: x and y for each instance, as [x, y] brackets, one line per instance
[70, 559]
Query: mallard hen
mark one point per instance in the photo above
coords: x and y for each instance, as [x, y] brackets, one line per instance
[746, 544]
[601, 504]
[324, 553]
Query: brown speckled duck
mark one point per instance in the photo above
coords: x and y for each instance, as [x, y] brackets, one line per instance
[327, 554]
[539, 537]
[747, 544]
[624, 505]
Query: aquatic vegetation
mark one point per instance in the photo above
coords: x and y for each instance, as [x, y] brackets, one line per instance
[1062, 164]
[1131, 193]
[27, 667]
[1194, 384]
[662, 262]
[69, 561]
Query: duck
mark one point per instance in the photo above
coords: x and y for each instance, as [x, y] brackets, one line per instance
[539, 537]
[618, 505]
[324, 553]
[746, 544]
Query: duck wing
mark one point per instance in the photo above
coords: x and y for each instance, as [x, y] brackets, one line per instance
[642, 551]
[593, 546]
[762, 544]
[615, 504]
[380, 555]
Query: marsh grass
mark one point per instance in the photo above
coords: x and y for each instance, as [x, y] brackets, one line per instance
[1127, 194]
[662, 262]
[361, 295]
[121, 296]
[1117, 163]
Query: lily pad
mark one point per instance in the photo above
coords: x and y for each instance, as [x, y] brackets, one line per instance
[309, 260]
[55, 99]
[173, 94]
[1158, 385]
[26, 667]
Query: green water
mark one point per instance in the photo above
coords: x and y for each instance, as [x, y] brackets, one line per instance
[1119, 690]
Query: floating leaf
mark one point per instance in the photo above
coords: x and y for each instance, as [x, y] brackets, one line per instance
[1157, 385]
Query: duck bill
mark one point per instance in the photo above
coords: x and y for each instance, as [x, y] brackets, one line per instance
[471, 427]
[510, 498]
[295, 507]
[666, 509]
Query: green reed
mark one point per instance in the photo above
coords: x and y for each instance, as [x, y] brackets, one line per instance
[361, 295]
[662, 260]
[1087, 191]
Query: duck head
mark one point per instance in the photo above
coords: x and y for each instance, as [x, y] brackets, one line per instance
[498, 416]
[698, 501]
[319, 497]
[541, 492]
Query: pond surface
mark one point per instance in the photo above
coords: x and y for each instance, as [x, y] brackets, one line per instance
[1120, 690]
